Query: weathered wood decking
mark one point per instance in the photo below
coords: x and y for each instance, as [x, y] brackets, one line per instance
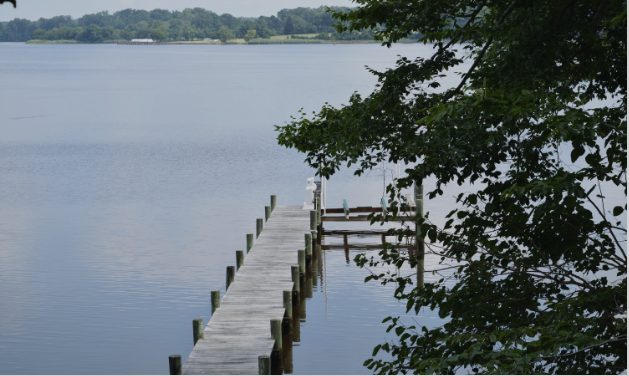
[239, 331]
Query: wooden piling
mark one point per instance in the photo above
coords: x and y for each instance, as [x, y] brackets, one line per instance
[216, 299]
[308, 244]
[276, 333]
[301, 257]
[318, 208]
[259, 225]
[231, 274]
[288, 303]
[267, 213]
[197, 330]
[294, 270]
[240, 259]
[264, 365]
[273, 202]
[174, 364]
[313, 223]
[249, 242]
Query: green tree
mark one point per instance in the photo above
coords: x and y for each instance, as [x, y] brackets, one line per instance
[289, 26]
[537, 261]
[91, 34]
[39, 34]
[159, 34]
[225, 34]
[107, 32]
[127, 33]
[251, 34]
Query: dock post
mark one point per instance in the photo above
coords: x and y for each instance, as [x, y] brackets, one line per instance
[318, 208]
[197, 330]
[174, 364]
[264, 365]
[288, 303]
[249, 242]
[267, 213]
[313, 223]
[259, 224]
[308, 241]
[294, 271]
[216, 299]
[301, 257]
[231, 273]
[273, 202]
[288, 311]
[240, 259]
[276, 333]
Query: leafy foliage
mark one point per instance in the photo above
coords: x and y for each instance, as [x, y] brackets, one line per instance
[537, 261]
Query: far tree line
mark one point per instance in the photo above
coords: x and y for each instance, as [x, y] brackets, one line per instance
[165, 25]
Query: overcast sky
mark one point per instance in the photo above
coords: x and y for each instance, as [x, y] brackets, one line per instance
[34, 9]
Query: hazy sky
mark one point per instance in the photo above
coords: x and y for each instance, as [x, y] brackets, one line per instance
[34, 9]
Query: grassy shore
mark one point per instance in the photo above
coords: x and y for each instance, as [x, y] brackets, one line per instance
[60, 41]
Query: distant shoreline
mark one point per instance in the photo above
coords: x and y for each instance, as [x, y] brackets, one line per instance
[229, 43]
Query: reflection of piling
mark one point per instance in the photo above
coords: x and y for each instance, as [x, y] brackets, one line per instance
[276, 333]
[287, 324]
[296, 321]
[287, 353]
[302, 308]
[308, 286]
[346, 246]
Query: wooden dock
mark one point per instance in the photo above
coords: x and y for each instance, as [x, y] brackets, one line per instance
[239, 331]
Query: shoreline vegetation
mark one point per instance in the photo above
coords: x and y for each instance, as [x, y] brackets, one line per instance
[258, 41]
[193, 26]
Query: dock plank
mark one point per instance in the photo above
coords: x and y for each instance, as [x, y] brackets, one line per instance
[239, 331]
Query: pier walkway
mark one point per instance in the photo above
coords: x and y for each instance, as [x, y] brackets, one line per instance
[239, 331]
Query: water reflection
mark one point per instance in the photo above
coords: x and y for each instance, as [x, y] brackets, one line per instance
[315, 310]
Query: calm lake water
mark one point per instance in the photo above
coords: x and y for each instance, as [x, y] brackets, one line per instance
[130, 174]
